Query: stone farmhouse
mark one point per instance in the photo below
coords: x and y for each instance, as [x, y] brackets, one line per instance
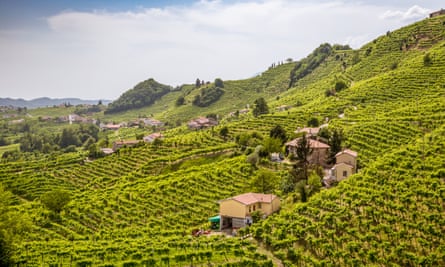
[320, 151]
[151, 137]
[120, 144]
[346, 165]
[201, 123]
[437, 13]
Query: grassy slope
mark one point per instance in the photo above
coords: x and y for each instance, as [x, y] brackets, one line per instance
[125, 206]
[237, 93]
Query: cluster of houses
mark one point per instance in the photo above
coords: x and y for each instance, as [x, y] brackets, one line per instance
[201, 123]
[129, 143]
[237, 211]
[134, 123]
[345, 161]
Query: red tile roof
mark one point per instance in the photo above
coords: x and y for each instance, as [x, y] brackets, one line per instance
[251, 198]
[313, 143]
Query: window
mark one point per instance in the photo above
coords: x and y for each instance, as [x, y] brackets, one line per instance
[259, 205]
[254, 207]
[345, 173]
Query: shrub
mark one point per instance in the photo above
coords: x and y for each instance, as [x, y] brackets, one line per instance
[427, 61]
[340, 85]
[180, 101]
[208, 96]
[313, 122]
[393, 66]
[219, 83]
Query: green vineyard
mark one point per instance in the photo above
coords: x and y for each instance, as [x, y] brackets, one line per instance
[140, 205]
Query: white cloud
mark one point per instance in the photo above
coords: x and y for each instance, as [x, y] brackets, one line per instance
[412, 14]
[101, 54]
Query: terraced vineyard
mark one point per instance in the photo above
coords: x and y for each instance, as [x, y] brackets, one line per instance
[138, 207]
[390, 214]
[124, 201]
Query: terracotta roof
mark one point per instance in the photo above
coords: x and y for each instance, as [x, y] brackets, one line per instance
[130, 142]
[251, 198]
[313, 143]
[112, 126]
[347, 151]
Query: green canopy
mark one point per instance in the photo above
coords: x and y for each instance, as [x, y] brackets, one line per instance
[214, 219]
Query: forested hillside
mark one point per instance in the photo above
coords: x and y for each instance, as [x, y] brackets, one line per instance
[139, 205]
[143, 94]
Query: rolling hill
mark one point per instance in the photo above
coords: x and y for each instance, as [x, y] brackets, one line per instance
[139, 206]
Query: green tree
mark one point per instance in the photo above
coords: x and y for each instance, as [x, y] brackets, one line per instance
[303, 152]
[68, 138]
[219, 83]
[272, 145]
[335, 143]
[313, 122]
[278, 132]
[264, 182]
[260, 107]
[180, 101]
[55, 200]
[340, 85]
[427, 60]
[207, 96]
[253, 158]
[224, 132]
[313, 184]
[94, 151]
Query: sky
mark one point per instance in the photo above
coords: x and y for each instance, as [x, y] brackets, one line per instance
[98, 49]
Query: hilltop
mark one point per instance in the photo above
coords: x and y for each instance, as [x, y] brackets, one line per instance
[139, 206]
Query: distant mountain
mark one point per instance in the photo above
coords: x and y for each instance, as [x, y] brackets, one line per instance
[46, 102]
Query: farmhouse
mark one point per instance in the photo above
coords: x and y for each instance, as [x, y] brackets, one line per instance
[120, 144]
[319, 150]
[201, 122]
[236, 212]
[437, 13]
[151, 137]
[152, 122]
[346, 165]
[110, 126]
